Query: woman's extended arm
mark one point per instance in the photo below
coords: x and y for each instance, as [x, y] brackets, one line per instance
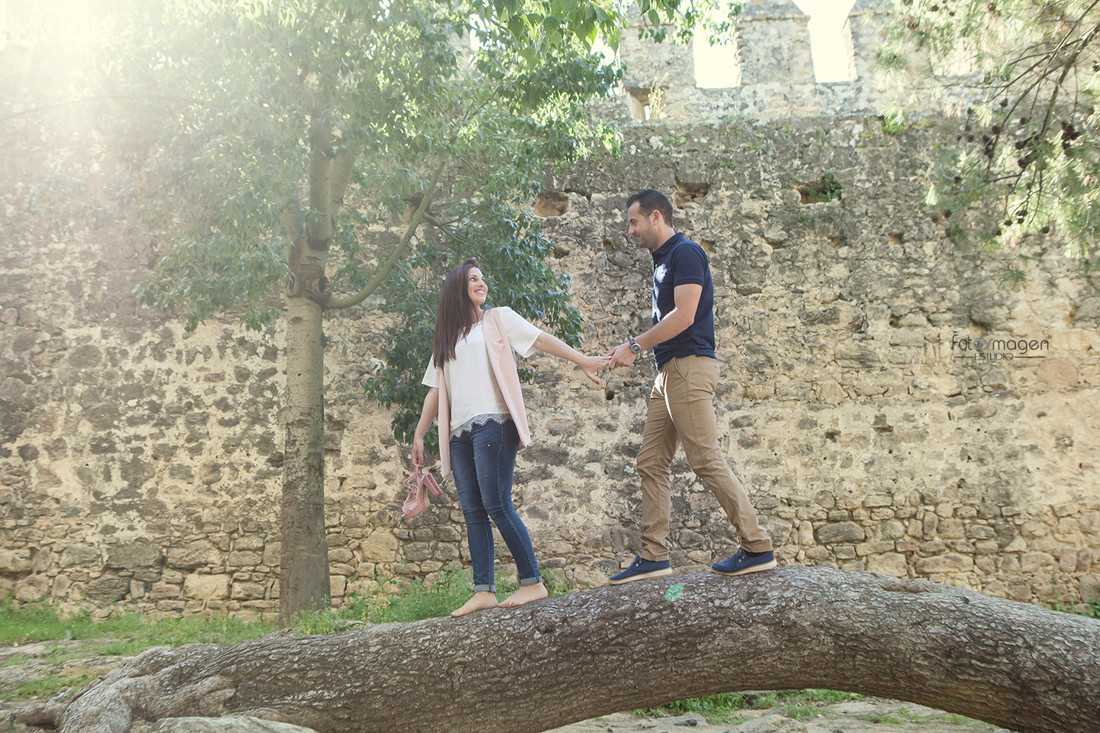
[556, 347]
[427, 415]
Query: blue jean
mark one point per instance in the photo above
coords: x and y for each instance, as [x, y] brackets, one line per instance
[483, 460]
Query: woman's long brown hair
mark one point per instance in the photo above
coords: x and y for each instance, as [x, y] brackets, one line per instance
[456, 314]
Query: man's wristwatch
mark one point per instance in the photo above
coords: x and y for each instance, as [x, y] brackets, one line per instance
[634, 346]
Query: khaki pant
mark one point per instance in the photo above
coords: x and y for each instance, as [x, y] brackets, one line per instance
[681, 409]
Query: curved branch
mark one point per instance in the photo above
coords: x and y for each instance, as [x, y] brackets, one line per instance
[587, 654]
[398, 251]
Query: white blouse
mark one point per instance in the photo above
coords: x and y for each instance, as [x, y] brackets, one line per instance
[475, 396]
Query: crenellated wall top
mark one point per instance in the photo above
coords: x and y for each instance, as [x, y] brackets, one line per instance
[781, 62]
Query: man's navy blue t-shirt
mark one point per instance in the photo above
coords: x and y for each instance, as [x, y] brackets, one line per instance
[680, 261]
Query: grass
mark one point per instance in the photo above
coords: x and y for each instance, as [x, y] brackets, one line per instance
[47, 686]
[389, 602]
[124, 635]
[727, 707]
[1089, 608]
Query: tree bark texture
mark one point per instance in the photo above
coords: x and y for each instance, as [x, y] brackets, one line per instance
[617, 648]
[303, 561]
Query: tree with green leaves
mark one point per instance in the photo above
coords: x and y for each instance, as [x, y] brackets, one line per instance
[1025, 160]
[298, 157]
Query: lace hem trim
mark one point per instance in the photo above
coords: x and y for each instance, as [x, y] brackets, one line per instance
[478, 420]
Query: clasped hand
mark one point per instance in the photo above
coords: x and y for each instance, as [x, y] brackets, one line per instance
[621, 355]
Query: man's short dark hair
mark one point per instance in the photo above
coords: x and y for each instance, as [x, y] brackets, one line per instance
[650, 200]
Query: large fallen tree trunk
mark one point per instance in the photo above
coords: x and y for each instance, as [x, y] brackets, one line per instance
[617, 648]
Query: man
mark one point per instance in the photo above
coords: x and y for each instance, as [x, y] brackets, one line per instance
[681, 405]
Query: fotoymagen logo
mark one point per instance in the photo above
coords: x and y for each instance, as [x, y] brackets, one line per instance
[997, 348]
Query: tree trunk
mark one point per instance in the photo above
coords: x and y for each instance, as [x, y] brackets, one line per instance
[623, 647]
[303, 561]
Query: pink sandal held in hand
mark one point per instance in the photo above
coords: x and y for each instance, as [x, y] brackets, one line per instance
[417, 500]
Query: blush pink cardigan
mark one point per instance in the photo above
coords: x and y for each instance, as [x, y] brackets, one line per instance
[503, 363]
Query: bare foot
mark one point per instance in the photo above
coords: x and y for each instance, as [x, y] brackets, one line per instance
[482, 599]
[525, 594]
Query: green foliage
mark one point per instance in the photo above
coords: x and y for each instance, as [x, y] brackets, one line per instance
[826, 189]
[893, 123]
[263, 95]
[221, 108]
[1089, 607]
[680, 21]
[1024, 160]
[725, 707]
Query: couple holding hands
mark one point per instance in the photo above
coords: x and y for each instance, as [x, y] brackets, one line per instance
[474, 390]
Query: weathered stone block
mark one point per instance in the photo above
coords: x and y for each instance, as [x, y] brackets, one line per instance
[1089, 587]
[890, 563]
[241, 559]
[447, 552]
[844, 552]
[247, 591]
[1065, 509]
[941, 564]
[32, 588]
[205, 587]
[874, 548]
[340, 555]
[980, 532]
[337, 585]
[380, 546]
[164, 591]
[417, 551]
[249, 542]
[134, 555]
[79, 555]
[986, 547]
[1058, 372]
[448, 533]
[1034, 530]
[1090, 523]
[1067, 563]
[893, 529]
[108, 589]
[951, 529]
[271, 553]
[840, 532]
[1033, 562]
[15, 562]
[196, 554]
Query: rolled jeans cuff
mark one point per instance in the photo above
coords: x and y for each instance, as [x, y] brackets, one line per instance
[485, 588]
[531, 581]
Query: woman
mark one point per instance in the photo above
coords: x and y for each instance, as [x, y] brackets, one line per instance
[474, 389]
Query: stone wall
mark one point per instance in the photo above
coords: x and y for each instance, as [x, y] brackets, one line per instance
[774, 74]
[141, 465]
